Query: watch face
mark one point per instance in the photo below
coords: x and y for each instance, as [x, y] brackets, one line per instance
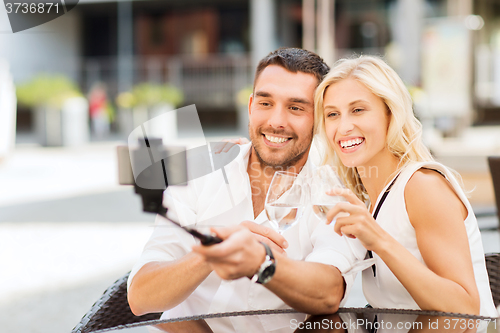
[268, 273]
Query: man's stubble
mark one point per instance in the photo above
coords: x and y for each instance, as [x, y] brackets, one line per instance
[294, 154]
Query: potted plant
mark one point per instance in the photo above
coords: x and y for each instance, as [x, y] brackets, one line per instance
[61, 112]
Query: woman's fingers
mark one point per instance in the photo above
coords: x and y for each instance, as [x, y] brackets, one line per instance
[222, 147]
[227, 144]
[347, 194]
[239, 141]
[348, 229]
[342, 207]
[341, 223]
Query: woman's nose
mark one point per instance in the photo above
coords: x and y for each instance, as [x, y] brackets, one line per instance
[346, 125]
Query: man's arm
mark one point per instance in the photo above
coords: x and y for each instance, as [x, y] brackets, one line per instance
[306, 286]
[159, 286]
[167, 272]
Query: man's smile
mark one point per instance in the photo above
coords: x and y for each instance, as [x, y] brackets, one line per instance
[276, 141]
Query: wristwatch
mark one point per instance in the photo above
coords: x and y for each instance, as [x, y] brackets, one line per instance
[267, 269]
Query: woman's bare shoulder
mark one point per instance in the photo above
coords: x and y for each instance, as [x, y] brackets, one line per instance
[430, 196]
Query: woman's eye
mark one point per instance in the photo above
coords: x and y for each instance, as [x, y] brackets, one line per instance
[332, 114]
[357, 110]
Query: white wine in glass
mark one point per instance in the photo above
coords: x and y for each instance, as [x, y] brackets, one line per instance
[284, 201]
[324, 180]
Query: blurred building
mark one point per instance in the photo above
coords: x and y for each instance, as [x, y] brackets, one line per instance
[447, 51]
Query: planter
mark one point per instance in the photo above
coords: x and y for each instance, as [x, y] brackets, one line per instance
[75, 120]
[159, 121]
[125, 120]
[162, 123]
[65, 127]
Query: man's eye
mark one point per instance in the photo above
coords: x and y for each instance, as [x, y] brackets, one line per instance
[295, 108]
[265, 103]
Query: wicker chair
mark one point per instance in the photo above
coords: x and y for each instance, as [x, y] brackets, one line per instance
[493, 267]
[112, 310]
[494, 162]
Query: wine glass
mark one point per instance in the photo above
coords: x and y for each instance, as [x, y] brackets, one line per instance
[284, 201]
[324, 180]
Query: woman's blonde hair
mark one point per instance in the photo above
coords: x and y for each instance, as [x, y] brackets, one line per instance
[404, 132]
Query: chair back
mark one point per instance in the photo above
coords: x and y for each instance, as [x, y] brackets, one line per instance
[493, 268]
[112, 310]
[494, 163]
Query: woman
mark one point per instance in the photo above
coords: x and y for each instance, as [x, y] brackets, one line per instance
[425, 240]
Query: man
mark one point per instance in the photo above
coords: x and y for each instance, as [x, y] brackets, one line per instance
[169, 276]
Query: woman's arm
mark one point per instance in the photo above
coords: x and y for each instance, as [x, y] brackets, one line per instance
[437, 214]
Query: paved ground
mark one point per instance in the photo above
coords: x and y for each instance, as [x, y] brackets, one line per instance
[67, 231]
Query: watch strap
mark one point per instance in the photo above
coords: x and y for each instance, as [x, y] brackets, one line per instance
[267, 268]
[269, 253]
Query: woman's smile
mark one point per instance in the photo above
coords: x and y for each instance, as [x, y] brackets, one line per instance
[350, 145]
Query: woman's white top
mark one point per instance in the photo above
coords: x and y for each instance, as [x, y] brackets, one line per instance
[385, 290]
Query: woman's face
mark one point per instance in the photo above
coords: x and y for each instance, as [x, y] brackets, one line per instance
[356, 123]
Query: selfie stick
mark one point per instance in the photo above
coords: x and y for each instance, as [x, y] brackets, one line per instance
[152, 203]
[152, 198]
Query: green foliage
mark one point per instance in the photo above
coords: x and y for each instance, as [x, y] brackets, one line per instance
[51, 90]
[149, 94]
[243, 95]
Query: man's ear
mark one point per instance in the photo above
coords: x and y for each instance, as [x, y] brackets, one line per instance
[250, 100]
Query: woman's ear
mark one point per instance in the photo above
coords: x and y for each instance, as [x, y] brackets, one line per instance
[389, 116]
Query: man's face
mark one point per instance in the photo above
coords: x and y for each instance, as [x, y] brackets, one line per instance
[281, 112]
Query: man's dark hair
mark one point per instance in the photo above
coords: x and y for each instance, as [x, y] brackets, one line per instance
[294, 60]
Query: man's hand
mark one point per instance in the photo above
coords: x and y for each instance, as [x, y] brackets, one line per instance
[276, 242]
[239, 255]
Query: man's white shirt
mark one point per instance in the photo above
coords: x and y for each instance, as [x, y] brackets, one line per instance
[211, 202]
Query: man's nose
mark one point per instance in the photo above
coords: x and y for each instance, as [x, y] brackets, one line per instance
[278, 117]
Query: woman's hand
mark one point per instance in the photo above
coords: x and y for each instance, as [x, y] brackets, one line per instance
[227, 144]
[358, 222]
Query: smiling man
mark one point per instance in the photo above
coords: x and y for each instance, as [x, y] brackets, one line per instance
[280, 117]
[254, 268]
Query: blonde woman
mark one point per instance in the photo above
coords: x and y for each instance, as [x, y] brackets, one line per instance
[425, 239]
